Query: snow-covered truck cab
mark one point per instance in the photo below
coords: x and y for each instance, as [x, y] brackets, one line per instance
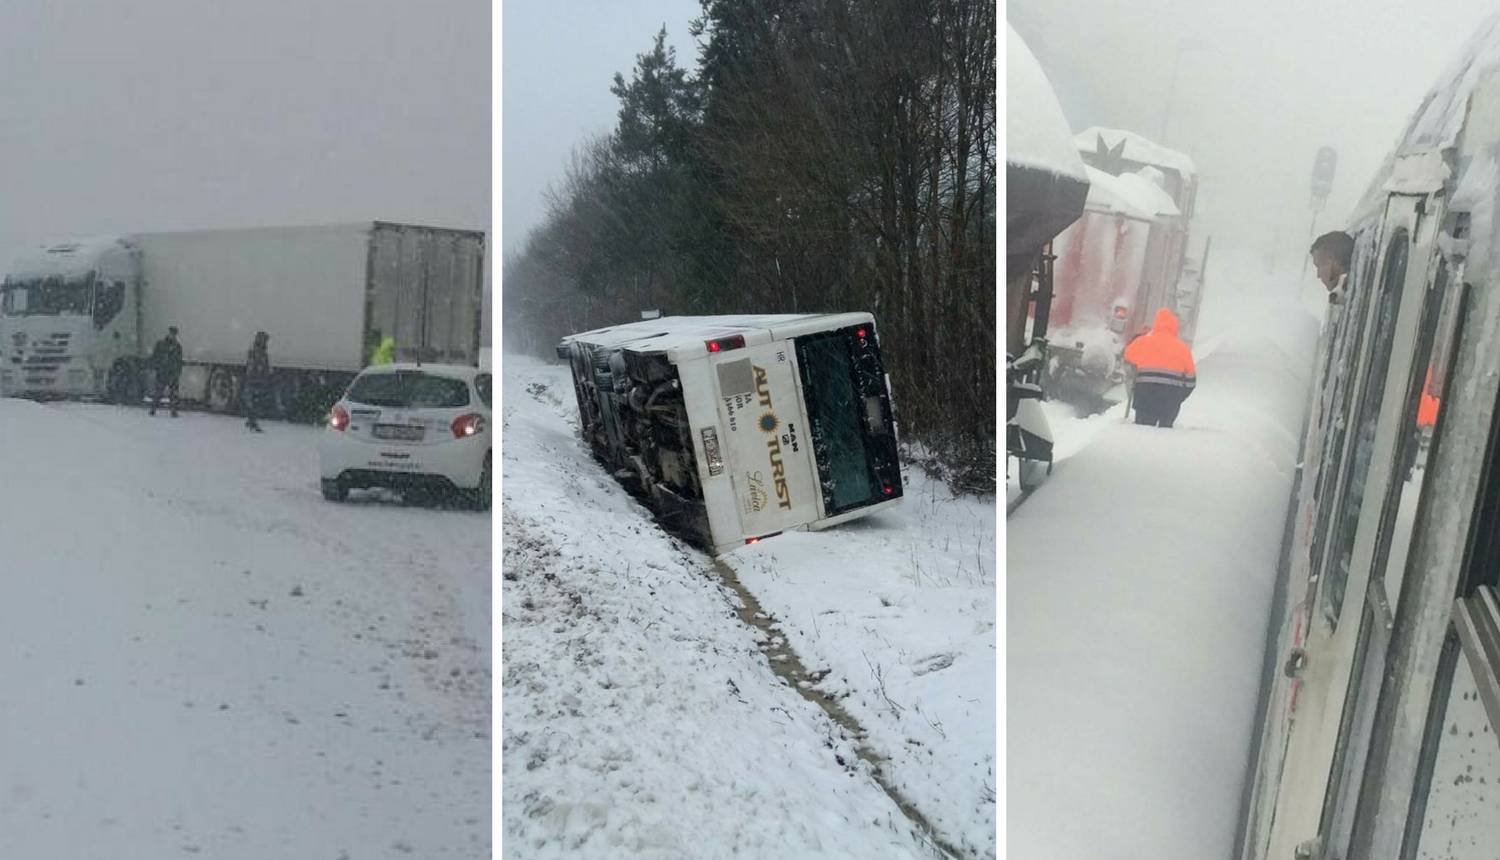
[68, 318]
[736, 428]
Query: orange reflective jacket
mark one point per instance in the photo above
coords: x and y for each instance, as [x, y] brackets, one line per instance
[1160, 357]
[1427, 410]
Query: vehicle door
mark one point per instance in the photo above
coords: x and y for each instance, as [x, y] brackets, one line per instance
[1348, 617]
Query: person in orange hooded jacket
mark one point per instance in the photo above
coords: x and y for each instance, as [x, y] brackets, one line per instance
[1164, 375]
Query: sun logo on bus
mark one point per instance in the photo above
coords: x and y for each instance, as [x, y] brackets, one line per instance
[768, 422]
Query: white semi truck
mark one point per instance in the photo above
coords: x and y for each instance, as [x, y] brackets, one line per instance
[737, 428]
[79, 319]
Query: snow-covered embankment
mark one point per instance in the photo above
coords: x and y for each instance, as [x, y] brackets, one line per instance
[641, 716]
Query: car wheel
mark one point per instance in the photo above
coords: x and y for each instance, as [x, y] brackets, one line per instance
[481, 497]
[335, 490]
[222, 388]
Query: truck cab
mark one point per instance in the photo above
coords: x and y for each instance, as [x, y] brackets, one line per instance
[734, 429]
[68, 320]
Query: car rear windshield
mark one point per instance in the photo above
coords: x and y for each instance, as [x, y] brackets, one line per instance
[409, 389]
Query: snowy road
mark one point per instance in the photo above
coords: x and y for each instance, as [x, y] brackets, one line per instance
[206, 659]
[642, 717]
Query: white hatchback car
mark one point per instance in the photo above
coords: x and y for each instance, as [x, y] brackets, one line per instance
[421, 429]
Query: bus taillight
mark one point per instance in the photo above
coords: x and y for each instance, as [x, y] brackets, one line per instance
[723, 343]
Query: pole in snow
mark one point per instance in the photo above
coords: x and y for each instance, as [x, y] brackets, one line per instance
[1325, 164]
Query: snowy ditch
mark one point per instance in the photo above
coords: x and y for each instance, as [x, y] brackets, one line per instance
[778, 702]
[788, 666]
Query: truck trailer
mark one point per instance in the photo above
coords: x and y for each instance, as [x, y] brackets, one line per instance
[79, 318]
[737, 428]
[1120, 263]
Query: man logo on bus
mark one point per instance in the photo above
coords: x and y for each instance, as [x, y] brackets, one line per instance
[768, 424]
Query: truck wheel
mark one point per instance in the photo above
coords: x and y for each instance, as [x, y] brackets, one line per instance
[125, 386]
[223, 388]
[335, 490]
[285, 392]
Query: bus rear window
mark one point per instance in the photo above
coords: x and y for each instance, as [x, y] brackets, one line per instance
[843, 383]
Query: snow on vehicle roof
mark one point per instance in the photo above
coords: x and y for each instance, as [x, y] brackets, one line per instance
[71, 259]
[1036, 132]
[1130, 195]
[464, 371]
[669, 333]
[1137, 148]
[1441, 115]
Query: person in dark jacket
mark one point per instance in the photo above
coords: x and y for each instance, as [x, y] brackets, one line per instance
[1164, 372]
[257, 379]
[1332, 254]
[166, 361]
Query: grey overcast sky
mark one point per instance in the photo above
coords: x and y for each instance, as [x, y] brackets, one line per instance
[1260, 87]
[558, 60]
[167, 114]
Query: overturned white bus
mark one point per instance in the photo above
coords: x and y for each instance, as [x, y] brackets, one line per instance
[737, 428]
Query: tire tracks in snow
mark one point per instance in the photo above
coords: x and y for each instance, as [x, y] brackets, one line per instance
[788, 666]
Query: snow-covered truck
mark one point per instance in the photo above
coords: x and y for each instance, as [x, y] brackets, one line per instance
[1122, 261]
[80, 318]
[737, 428]
[1046, 186]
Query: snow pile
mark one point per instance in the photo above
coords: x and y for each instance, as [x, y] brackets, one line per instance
[1129, 194]
[640, 716]
[1036, 133]
[1137, 148]
[1139, 583]
[899, 611]
[205, 658]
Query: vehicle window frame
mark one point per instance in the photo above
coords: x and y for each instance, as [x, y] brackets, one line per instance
[1344, 524]
[459, 386]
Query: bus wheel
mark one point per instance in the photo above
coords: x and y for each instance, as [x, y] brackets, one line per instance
[222, 388]
[125, 386]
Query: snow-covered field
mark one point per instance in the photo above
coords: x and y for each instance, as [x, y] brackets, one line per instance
[204, 658]
[641, 716]
[1139, 580]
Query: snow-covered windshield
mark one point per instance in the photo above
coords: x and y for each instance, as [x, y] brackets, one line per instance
[47, 296]
[409, 390]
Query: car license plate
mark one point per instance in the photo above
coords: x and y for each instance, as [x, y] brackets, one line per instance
[403, 432]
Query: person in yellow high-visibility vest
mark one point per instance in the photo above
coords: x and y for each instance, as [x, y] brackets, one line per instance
[386, 352]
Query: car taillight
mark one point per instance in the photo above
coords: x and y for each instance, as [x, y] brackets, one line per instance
[468, 425]
[723, 343]
[338, 419]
